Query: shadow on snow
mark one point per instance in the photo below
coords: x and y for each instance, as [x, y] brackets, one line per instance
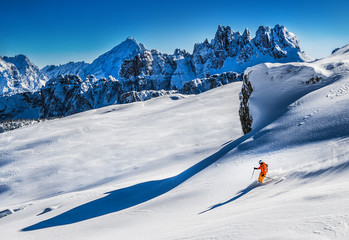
[131, 196]
[239, 195]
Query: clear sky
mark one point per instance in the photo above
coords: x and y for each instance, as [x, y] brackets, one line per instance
[56, 32]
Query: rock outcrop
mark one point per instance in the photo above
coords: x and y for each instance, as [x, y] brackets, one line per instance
[200, 85]
[244, 111]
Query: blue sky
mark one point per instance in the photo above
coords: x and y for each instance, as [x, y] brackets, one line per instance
[56, 32]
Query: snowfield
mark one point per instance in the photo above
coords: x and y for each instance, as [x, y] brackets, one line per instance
[179, 167]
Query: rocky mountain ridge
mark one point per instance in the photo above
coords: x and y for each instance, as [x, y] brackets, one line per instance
[69, 94]
[228, 51]
[129, 72]
[132, 62]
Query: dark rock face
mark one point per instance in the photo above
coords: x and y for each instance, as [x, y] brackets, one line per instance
[62, 97]
[133, 96]
[149, 70]
[274, 43]
[244, 111]
[140, 69]
[21, 105]
[66, 95]
[13, 124]
[198, 85]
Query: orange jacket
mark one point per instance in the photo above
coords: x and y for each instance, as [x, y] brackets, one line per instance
[264, 168]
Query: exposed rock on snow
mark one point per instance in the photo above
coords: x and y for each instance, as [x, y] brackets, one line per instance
[244, 112]
[144, 95]
[131, 170]
[66, 95]
[20, 106]
[297, 79]
[13, 124]
[142, 69]
[141, 74]
[62, 96]
[232, 51]
[198, 85]
[149, 70]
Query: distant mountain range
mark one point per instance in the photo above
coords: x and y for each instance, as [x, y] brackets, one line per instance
[130, 72]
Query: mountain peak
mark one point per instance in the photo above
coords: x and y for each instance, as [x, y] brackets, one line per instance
[19, 60]
[246, 37]
[110, 62]
[129, 38]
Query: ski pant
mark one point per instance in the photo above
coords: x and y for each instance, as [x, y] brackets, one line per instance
[261, 177]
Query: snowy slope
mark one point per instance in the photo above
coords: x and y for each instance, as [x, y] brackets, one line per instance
[178, 167]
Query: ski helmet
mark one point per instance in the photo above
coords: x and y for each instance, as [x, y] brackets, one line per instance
[260, 162]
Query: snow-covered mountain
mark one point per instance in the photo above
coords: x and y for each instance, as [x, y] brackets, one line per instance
[228, 51]
[69, 94]
[76, 68]
[18, 74]
[134, 73]
[179, 166]
[108, 64]
[233, 51]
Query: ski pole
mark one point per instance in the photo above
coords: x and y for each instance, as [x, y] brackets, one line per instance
[252, 173]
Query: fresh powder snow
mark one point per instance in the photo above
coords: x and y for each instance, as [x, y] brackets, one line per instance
[179, 166]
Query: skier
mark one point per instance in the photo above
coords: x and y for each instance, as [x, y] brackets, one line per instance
[264, 169]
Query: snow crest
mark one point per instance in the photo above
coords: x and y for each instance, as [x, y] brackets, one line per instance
[287, 83]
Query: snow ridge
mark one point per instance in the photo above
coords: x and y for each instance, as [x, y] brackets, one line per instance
[286, 82]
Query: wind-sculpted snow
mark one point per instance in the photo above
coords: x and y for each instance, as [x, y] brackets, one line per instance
[287, 83]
